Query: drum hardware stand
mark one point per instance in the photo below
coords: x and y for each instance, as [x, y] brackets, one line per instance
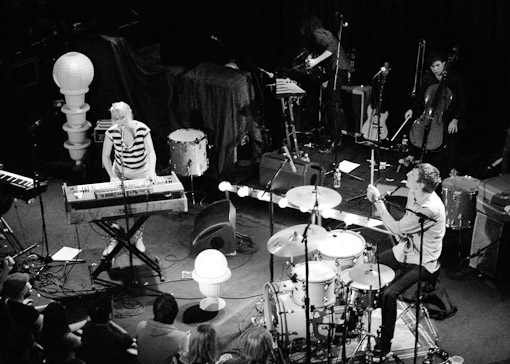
[269, 189]
[368, 333]
[428, 322]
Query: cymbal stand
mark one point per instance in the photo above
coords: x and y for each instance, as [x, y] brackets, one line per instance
[269, 189]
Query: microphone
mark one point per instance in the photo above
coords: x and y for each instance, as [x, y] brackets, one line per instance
[34, 126]
[388, 194]
[268, 74]
[287, 154]
[122, 145]
[339, 17]
[384, 69]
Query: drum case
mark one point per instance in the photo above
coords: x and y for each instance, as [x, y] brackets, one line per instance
[491, 233]
[493, 196]
[307, 173]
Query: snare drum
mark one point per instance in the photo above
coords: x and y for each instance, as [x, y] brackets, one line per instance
[321, 284]
[342, 249]
[459, 197]
[188, 152]
[358, 293]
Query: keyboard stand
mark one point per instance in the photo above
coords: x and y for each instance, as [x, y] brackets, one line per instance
[124, 242]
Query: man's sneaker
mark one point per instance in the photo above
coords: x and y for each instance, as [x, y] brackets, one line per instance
[112, 243]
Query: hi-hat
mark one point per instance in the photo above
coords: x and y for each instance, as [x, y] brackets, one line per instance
[368, 275]
[289, 242]
[306, 196]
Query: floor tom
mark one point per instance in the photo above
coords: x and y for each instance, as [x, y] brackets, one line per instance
[188, 152]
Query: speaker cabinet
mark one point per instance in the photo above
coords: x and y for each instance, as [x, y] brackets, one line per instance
[307, 173]
[215, 228]
[489, 244]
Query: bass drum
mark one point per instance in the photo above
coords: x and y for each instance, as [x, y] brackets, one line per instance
[459, 197]
[286, 318]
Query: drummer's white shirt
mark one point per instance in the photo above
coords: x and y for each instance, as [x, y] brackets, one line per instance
[408, 231]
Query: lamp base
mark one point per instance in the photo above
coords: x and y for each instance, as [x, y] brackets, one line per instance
[212, 304]
[195, 314]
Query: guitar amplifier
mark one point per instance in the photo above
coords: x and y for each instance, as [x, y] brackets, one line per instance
[355, 100]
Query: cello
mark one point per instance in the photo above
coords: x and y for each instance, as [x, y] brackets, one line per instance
[427, 132]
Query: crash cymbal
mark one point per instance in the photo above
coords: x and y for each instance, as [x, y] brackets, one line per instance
[367, 274]
[289, 242]
[306, 196]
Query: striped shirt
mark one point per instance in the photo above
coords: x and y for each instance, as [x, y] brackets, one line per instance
[134, 157]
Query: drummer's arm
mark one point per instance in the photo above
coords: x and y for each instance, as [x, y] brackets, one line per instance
[389, 222]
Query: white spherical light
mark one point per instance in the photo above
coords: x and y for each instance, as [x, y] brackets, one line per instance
[73, 72]
[211, 267]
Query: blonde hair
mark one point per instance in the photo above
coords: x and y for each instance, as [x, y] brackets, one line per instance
[121, 109]
[202, 344]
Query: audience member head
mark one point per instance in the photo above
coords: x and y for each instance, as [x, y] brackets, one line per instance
[429, 176]
[16, 286]
[202, 344]
[100, 308]
[258, 346]
[165, 309]
[55, 323]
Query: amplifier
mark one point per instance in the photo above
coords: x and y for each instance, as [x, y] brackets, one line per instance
[489, 246]
[102, 126]
[307, 173]
[355, 100]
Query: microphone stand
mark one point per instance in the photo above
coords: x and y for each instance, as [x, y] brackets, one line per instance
[422, 218]
[269, 189]
[37, 184]
[307, 272]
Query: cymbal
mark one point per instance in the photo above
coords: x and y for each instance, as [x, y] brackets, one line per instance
[367, 274]
[306, 196]
[289, 242]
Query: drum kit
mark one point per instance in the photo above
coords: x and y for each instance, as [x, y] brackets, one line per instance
[342, 282]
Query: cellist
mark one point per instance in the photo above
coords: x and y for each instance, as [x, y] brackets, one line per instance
[453, 118]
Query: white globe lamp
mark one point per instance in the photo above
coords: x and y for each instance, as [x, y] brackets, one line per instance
[211, 269]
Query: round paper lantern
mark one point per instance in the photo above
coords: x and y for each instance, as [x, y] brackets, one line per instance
[73, 72]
